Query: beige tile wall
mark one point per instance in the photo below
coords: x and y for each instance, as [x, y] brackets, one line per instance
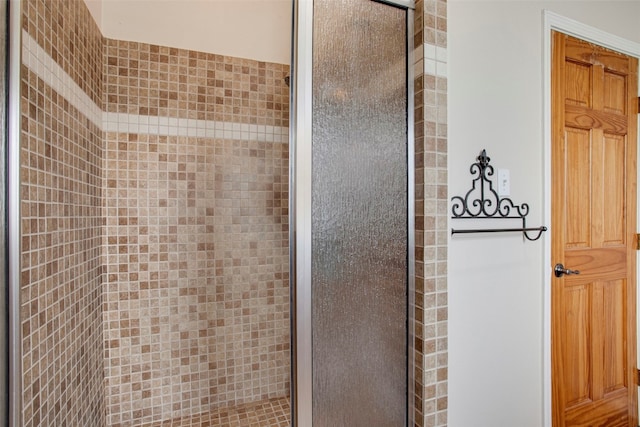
[61, 190]
[160, 81]
[196, 261]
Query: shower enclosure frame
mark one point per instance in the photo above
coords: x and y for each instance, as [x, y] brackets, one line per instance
[300, 155]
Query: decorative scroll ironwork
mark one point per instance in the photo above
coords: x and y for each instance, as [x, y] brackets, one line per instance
[483, 202]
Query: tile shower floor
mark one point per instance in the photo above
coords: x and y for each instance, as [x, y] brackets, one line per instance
[265, 413]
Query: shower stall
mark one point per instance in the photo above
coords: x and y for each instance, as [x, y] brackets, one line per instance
[188, 248]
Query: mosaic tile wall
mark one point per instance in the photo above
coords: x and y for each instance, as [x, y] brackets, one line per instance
[432, 202]
[61, 224]
[196, 196]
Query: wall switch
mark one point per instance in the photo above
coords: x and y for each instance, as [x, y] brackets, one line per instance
[504, 183]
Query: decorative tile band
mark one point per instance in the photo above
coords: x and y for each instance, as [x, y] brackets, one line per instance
[435, 60]
[38, 61]
[170, 126]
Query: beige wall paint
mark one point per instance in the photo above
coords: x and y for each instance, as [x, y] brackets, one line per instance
[496, 283]
[95, 8]
[254, 29]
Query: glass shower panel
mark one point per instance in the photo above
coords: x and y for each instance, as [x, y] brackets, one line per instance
[359, 214]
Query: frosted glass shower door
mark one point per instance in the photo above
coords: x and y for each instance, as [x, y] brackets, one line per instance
[359, 238]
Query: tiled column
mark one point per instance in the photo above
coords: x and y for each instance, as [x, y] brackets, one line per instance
[431, 369]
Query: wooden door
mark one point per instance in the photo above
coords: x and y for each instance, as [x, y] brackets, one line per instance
[593, 313]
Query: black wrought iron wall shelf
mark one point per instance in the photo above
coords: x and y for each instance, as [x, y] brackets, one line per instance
[483, 202]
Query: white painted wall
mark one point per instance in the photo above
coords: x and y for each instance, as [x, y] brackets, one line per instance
[255, 29]
[496, 283]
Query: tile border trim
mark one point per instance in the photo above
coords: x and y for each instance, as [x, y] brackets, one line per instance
[37, 60]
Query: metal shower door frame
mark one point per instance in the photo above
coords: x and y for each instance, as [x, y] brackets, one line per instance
[12, 211]
[300, 155]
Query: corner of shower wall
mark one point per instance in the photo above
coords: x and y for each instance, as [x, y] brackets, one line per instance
[431, 347]
[196, 264]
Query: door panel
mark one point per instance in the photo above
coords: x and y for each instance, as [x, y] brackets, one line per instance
[614, 92]
[613, 215]
[577, 149]
[577, 83]
[594, 120]
[576, 332]
[613, 323]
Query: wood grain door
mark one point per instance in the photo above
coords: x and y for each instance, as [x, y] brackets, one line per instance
[593, 313]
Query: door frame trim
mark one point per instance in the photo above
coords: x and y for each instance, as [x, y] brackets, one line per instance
[555, 22]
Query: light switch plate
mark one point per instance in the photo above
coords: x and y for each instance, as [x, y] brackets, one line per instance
[504, 183]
